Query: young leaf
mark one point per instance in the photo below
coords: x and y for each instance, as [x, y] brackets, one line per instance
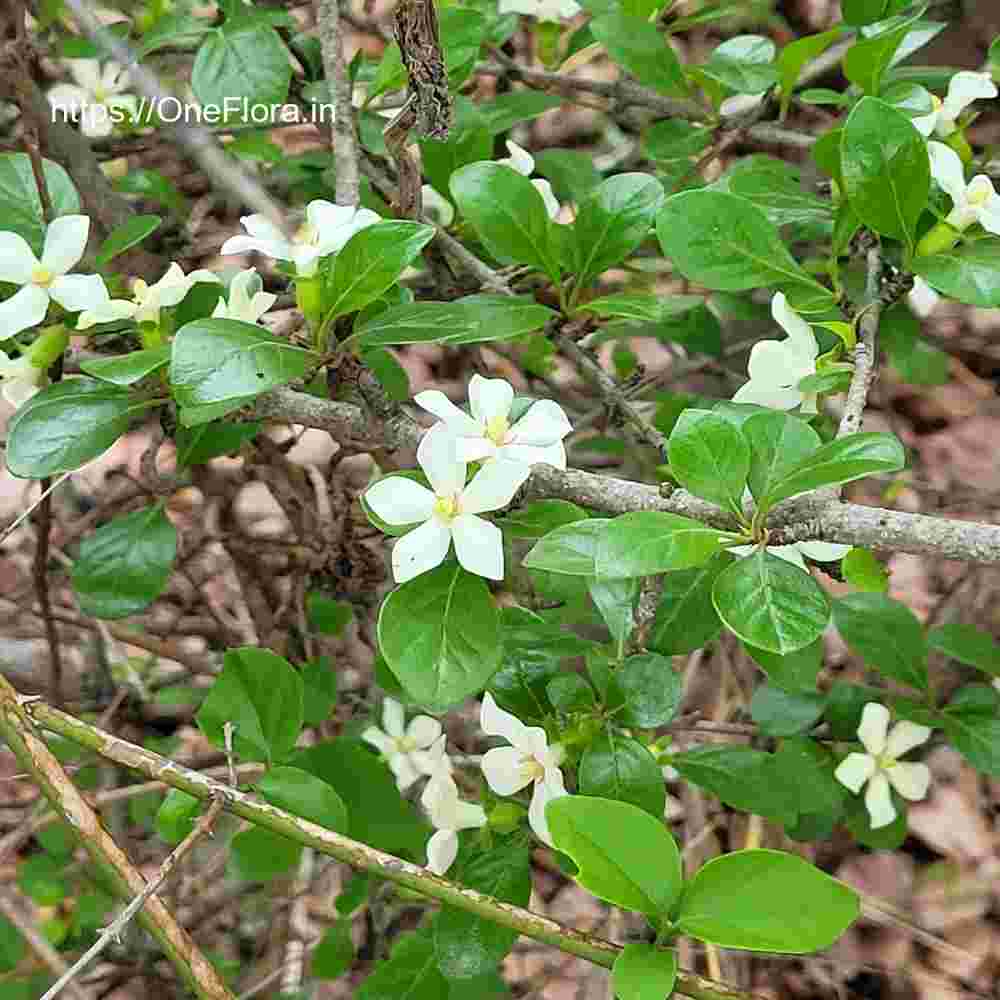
[440, 635]
[125, 236]
[634, 43]
[764, 900]
[621, 768]
[710, 458]
[686, 618]
[261, 695]
[770, 603]
[778, 443]
[125, 564]
[864, 572]
[644, 972]
[969, 273]
[625, 856]
[303, 794]
[968, 645]
[651, 690]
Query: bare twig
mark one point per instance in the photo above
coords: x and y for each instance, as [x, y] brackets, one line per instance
[866, 350]
[345, 139]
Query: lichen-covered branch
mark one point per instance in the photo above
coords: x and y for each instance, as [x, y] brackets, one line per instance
[345, 139]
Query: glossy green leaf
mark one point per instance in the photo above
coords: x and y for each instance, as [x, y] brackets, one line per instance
[571, 172]
[795, 55]
[686, 618]
[868, 59]
[440, 635]
[770, 603]
[570, 693]
[885, 634]
[125, 564]
[779, 712]
[864, 572]
[782, 198]
[615, 600]
[743, 64]
[176, 816]
[970, 273]
[303, 794]
[197, 445]
[571, 548]
[644, 972]
[624, 855]
[411, 971]
[621, 768]
[20, 203]
[319, 695]
[675, 139]
[126, 369]
[976, 737]
[334, 954]
[12, 945]
[634, 43]
[762, 900]
[41, 878]
[642, 308]
[796, 671]
[539, 517]
[258, 855]
[967, 644]
[651, 690]
[151, 184]
[710, 458]
[130, 233]
[778, 443]
[242, 61]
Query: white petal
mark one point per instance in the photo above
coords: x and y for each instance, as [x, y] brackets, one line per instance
[478, 546]
[878, 801]
[520, 159]
[910, 780]
[381, 741]
[775, 398]
[438, 457]
[434, 759]
[469, 816]
[489, 398]
[790, 553]
[75, 292]
[925, 124]
[854, 770]
[423, 730]
[964, 88]
[544, 188]
[437, 208]
[400, 500]
[95, 122]
[475, 449]
[904, 736]
[457, 420]
[549, 788]
[873, 728]
[769, 365]
[68, 99]
[800, 335]
[393, 717]
[824, 551]
[25, 308]
[65, 241]
[17, 391]
[988, 215]
[496, 721]
[922, 298]
[279, 249]
[323, 214]
[554, 454]
[442, 849]
[947, 170]
[260, 227]
[421, 550]
[544, 424]
[493, 486]
[503, 770]
[17, 261]
[306, 259]
[87, 73]
[112, 311]
[440, 799]
[407, 773]
[123, 102]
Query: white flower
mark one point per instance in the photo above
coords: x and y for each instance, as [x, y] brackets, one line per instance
[963, 88]
[528, 760]
[450, 512]
[976, 201]
[21, 379]
[326, 229]
[880, 766]
[410, 751]
[247, 299]
[449, 814]
[47, 279]
[921, 298]
[489, 434]
[544, 10]
[437, 208]
[741, 104]
[147, 300]
[776, 366]
[524, 163]
[823, 552]
[97, 98]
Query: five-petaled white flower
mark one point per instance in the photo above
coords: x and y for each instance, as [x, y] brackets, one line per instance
[881, 766]
[147, 300]
[823, 552]
[488, 433]
[529, 760]
[47, 279]
[96, 99]
[21, 379]
[411, 751]
[326, 229]
[976, 201]
[544, 10]
[449, 814]
[776, 366]
[247, 299]
[524, 163]
[921, 298]
[448, 513]
[963, 88]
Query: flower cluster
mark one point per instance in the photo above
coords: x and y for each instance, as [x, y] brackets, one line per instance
[449, 511]
[975, 201]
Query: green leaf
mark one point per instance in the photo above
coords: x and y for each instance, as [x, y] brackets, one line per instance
[125, 236]
[781, 197]
[634, 43]
[327, 616]
[840, 461]
[410, 973]
[861, 12]
[743, 64]
[440, 635]
[795, 55]
[778, 443]
[334, 955]
[571, 548]
[710, 458]
[540, 517]
[885, 634]
[651, 690]
[12, 946]
[226, 360]
[508, 215]
[916, 361]
[644, 972]
[153, 185]
[572, 173]
[625, 856]
[125, 564]
[319, 696]
[198, 445]
[970, 273]
[570, 693]
[612, 222]
[867, 60]
[864, 572]
[258, 855]
[261, 695]
[176, 816]
[501, 317]
[20, 203]
[642, 308]
[621, 768]
[976, 737]
[886, 170]
[802, 764]
[303, 794]
[66, 425]
[41, 877]
[242, 61]
[770, 603]
[514, 108]
[615, 599]
[686, 618]
[675, 139]
[779, 712]
[370, 261]
[968, 645]
[468, 946]
[172, 31]
[763, 900]
[725, 242]
[127, 369]
[795, 671]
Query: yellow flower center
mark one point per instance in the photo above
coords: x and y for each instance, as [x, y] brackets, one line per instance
[979, 194]
[446, 507]
[404, 744]
[42, 277]
[100, 95]
[497, 429]
[884, 761]
[306, 234]
[531, 768]
[936, 103]
[140, 290]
